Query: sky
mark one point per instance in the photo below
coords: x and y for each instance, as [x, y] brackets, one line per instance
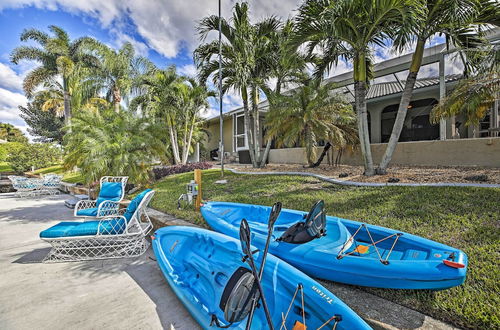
[162, 30]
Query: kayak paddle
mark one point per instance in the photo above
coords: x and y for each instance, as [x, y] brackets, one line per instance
[246, 248]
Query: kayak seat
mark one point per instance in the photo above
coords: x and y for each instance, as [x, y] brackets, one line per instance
[314, 226]
[237, 297]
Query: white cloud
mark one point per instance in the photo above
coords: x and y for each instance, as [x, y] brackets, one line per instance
[188, 70]
[166, 26]
[9, 78]
[9, 111]
[209, 113]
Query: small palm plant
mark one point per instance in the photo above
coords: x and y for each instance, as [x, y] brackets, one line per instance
[475, 95]
[109, 143]
[309, 114]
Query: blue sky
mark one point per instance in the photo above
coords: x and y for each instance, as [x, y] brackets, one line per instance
[162, 30]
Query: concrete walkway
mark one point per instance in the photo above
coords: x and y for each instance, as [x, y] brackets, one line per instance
[110, 294]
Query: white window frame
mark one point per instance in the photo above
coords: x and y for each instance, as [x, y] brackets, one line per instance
[236, 136]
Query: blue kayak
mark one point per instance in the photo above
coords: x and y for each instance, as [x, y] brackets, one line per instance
[343, 250]
[206, 271]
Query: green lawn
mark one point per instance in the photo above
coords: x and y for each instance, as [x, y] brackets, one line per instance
[70, 177]
[5, 167]
[466, 218]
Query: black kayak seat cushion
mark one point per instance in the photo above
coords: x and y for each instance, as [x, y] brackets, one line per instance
[237, 299]
[313, 227]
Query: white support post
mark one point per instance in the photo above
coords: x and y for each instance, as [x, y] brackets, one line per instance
[197, 152]
[442, 94]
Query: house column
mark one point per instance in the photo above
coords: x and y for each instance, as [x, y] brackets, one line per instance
[447, 127]
[376, 126]
[442, 94]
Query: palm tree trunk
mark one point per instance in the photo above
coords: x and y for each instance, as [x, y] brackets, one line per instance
[248, 129]
[256, 125]
[403, 106]
[67, 108]
[67, 103]
[265, 155]
[309, 148]
[117, 98]
[173, 142]
[361, 112]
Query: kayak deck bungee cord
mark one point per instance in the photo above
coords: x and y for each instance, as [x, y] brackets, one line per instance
[210, 274]
[344, 250]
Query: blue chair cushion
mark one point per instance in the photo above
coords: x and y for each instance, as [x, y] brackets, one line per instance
[134, 204]
[110, 191]
[89, 228]
[59, 230]
[91, 212]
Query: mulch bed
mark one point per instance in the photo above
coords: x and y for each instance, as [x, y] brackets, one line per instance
[403, 174]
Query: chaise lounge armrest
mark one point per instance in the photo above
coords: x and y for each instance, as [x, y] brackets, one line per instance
[89, 208]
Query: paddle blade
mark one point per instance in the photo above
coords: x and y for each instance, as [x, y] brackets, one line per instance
[245, 237]
[275, 212]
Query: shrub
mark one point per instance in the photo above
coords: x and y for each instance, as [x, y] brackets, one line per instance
[9, 148]
[162, 171]
[35, 155]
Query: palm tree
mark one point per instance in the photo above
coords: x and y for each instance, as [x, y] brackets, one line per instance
[59, 57]
[287, 66]
[109, 143]
[474, 96]
[347, 29]
[246, 60]
[458, 21]
[10, 133]
[117, 71]
[312, 115]
[176, 101]
[158, 100]
[192, 99]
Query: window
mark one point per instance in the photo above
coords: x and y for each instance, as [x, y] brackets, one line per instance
[417, 126]
[240, 137]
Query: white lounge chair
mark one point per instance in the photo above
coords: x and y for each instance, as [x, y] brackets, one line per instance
[111, 193]
[117, 236]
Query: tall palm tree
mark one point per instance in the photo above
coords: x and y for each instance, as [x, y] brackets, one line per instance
[192, 98]
[159, 101]
[348, 29]
[245, 63]
[117, 71]
[458, 20]
[312, 115]
[59, 57]
[286, 67]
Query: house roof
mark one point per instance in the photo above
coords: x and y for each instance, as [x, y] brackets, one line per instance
[394, 87]
[375, 91]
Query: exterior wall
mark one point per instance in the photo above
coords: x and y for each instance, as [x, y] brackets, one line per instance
[465, 152]
[213, 140]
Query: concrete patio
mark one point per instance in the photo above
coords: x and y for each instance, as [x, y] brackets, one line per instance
[120, 293]
[111, 294]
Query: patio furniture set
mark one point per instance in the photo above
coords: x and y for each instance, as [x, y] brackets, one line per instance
[48, 184]
[106, 230]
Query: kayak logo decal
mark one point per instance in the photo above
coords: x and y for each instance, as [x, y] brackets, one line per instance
[223, 213]
[322, 294]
